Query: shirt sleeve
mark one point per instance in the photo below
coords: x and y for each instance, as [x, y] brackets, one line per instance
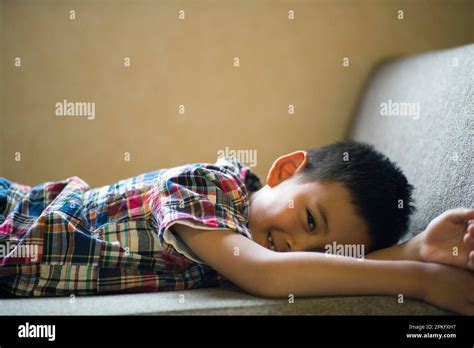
[203, 198]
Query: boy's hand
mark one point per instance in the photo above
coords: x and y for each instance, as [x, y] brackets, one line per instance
[449, 239]
[449, 287]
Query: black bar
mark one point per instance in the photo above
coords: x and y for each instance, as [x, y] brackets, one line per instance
[347, 330]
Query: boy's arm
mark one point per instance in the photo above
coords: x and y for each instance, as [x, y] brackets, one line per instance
[408, 250]
[230, 254]
[448, 239]
[272, 274]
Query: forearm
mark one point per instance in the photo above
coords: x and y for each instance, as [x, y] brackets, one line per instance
[316, 274]
[408, 250]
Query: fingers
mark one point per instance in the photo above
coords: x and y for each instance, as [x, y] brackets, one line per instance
[470, 261]
[460, 215]
[469, 236]
[469, 241]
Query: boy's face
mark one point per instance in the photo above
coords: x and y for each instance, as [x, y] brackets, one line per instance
[303, 216]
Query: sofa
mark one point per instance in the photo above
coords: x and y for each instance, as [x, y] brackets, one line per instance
[419, 111]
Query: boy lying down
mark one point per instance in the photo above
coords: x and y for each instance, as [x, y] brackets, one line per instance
[201, 224]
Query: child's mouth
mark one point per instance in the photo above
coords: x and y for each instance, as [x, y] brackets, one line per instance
[270, 243]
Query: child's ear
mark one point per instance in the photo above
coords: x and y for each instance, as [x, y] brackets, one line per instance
[286, 166]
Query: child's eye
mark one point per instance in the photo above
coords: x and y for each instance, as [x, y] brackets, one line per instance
[311, 221]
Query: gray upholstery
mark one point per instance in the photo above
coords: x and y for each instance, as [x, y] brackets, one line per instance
[435, 151]
[210, 302]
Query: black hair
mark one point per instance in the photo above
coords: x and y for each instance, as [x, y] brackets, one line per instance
[378, 188]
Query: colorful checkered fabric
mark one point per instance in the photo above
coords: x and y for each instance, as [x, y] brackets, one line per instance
[63, 238]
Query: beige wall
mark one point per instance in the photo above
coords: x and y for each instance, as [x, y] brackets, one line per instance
[190, 62]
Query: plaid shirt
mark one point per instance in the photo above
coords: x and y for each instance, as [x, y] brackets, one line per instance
[62, 238]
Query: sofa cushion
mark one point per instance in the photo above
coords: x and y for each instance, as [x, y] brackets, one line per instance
[434, 148]
[215, 301]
